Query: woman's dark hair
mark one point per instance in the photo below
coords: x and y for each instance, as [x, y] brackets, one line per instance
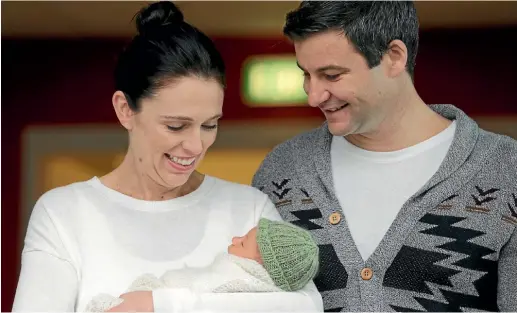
[166, 48]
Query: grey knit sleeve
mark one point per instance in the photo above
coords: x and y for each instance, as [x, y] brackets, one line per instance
[507, 282]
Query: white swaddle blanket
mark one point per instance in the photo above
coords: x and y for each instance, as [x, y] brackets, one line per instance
[228, 273]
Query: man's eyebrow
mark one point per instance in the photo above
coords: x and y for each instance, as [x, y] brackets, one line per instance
[327, 68]
[333, 67]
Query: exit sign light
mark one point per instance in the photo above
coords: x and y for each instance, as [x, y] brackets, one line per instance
[272, 81]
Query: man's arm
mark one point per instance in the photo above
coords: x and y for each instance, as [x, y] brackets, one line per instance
[263, 173]
[507, 282]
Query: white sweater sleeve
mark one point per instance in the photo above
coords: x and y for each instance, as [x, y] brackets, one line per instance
[307, 299]
[185, 300]
[48, 280]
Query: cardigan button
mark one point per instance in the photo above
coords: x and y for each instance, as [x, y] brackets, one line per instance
[334, 218]
[366, 273]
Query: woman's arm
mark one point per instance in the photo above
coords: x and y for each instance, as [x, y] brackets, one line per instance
[48, 280]
[182, 300]
[185, 300]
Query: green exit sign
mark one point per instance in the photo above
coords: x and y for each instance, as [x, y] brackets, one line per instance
[272, 81]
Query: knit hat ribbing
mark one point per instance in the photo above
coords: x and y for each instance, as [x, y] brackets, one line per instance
[289, 253]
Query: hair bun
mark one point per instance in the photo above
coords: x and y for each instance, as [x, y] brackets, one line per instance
[156, 16]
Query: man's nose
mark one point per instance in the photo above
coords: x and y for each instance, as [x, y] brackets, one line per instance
[316, 92]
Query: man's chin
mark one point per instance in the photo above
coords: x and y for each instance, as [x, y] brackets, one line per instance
[339, 129]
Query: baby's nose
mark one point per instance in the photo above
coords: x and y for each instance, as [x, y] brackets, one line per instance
[236, 240]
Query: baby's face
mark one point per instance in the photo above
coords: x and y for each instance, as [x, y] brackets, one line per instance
[246, 246]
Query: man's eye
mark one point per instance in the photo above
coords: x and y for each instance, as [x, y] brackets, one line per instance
[332, 77]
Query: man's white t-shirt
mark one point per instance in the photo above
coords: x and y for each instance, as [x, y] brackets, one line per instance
[85, 238]
[371, 187]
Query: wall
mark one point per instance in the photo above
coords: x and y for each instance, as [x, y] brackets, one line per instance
[69, 82]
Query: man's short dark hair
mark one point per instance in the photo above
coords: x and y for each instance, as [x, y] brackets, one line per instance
[369, 25]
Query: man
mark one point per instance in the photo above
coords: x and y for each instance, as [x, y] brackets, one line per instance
[414, 207]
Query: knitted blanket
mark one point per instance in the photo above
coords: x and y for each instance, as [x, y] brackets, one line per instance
[227, 273]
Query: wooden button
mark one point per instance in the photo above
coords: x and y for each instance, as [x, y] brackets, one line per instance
[334, 218]
[366, 273]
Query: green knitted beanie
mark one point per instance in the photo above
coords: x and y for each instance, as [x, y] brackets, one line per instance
[289, 254]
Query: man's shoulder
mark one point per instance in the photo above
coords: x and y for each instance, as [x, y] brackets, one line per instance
[506, 154]
[505, 150]
[285, 151]
[284, 156]
[497, 170]
[509, 143]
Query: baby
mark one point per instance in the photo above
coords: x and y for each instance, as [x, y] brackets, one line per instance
[271, 257]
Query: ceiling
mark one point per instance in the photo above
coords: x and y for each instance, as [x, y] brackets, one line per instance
[229, 18]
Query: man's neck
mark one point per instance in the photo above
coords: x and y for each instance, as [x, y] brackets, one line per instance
[410, 123]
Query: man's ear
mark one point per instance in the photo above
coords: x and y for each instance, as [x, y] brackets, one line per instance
[396, 58]
[124, 112]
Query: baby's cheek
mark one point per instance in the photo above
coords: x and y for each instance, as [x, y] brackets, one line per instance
[258, 258]
[233, 250]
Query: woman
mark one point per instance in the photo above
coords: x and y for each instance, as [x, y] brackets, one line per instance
[154, 212]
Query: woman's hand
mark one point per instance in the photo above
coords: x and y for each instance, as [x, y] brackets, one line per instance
[136, 301]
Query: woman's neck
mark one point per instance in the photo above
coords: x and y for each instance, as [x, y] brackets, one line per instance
[128, 180]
